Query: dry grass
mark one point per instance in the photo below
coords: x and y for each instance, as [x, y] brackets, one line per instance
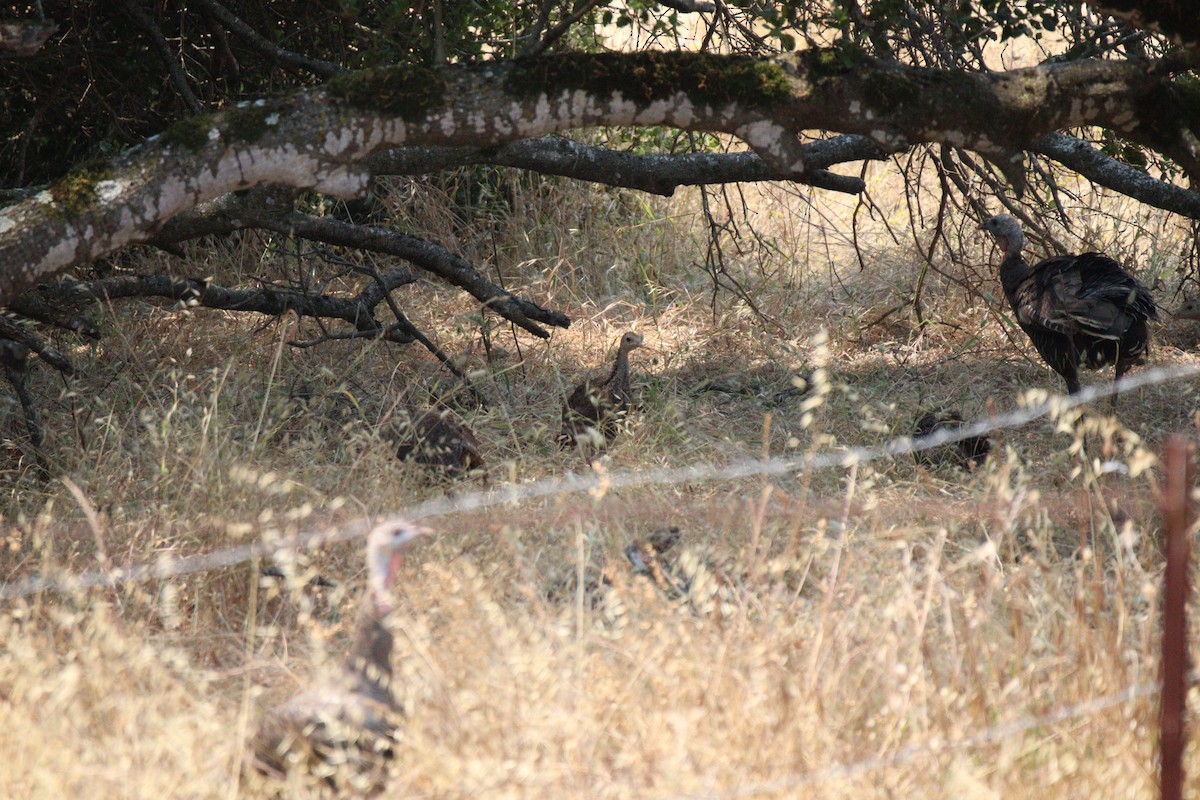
[861, 614]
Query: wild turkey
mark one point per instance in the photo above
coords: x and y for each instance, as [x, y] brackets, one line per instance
[689, 579]
[1079, 311]
[644, 554]
[597, 578]
[439, 439]
[341, 730]
[969, 453]
[593, 411]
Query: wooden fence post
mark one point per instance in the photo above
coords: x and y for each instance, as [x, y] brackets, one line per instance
[1177, 519]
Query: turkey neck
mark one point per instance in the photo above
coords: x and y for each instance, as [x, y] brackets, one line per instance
[370, 657]
[1013, 270]
[620, 371]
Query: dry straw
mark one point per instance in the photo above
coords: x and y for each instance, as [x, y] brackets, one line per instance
[167, 567]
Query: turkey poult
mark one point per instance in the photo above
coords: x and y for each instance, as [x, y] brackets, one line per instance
[1079, 311]
[968, 453]
[593, 412]
[341, 731]
[439, 439]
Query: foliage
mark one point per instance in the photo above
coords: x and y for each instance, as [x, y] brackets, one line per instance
[102, 86]
[395, 47]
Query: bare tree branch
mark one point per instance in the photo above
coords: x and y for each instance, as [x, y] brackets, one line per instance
[654, 173]
[318, 139]
[1107, 171]
[689, 6]
[178, 77]
[433, 258]
[270, 208]
[359, 310]
[14, 358]
[36, 305]
[11, 331]
[554, 34]
[251, 37]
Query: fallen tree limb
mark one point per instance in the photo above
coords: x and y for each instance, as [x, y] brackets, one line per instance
[11, 331]
[318, 139]
[271, 208]
[433, 258]
[659, 174]
[358, 310]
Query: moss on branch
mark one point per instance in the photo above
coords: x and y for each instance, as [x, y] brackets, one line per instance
[190, 133]
[648, 77]
[407, 90]
[76, 192]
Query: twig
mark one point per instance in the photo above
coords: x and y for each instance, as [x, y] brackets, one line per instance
[304, 344]
[251, 37]
[178, 77]
[404, 324]
[223, 62]
[556, 33]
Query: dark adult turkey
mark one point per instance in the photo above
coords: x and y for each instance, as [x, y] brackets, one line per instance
[1079, 311]
[438, 439]
[341, 731]
[593, 412]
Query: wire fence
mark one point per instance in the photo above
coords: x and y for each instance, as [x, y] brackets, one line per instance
[165, 567]
[171, 566]
[915, 752]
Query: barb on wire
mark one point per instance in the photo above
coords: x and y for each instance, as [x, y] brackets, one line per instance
[166, 567]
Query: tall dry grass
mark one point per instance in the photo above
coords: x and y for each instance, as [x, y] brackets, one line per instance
[886, 631]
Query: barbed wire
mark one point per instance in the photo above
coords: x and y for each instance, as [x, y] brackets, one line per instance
[167, 566]
[914, 752]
